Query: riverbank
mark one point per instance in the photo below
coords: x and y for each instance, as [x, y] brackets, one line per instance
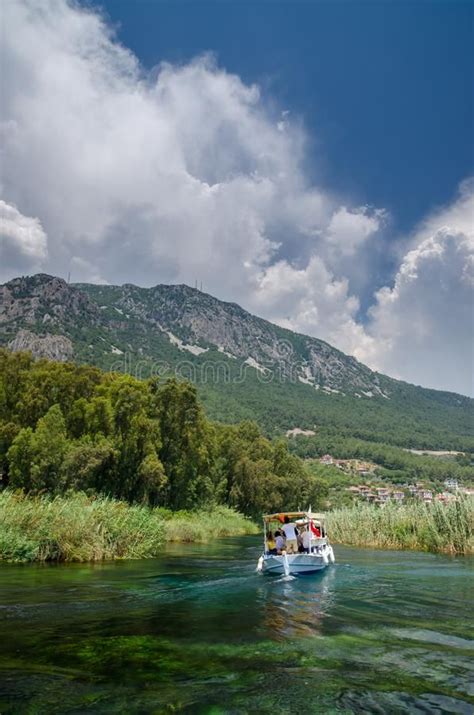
[81, 528]
[439, 528]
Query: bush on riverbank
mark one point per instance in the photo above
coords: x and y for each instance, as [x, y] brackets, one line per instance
[79, 528]
[443, 528]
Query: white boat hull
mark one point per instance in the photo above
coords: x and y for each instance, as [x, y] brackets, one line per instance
[296, 563]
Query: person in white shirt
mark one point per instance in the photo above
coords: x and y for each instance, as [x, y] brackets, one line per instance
[291, 536]
[306, 539]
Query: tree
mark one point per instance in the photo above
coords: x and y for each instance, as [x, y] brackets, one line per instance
[36, 458]
[153, 482]
[20, 459]
[186, 449]
[49, 445]
[89, 466]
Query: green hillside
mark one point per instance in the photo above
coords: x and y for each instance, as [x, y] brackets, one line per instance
[244, 367]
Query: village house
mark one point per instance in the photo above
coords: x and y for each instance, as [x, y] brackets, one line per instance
[351, 465]
[383, 494]
[365, 468]
[326, 459]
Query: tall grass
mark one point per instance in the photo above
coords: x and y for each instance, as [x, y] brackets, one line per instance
[80, 528]
[206, 525]
[445, 528]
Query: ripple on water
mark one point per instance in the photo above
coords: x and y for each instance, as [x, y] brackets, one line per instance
[427, 636]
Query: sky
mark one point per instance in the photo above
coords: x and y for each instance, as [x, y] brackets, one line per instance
[311, 161]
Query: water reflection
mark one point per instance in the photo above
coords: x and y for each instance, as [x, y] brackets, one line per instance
[297, 607]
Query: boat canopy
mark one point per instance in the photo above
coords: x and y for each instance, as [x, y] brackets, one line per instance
[294, 514]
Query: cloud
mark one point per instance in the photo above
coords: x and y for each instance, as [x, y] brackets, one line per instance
[421, 329]
[309, 300]
[184, 173]
[186, 168]
[458, 215]
[23, 243]
[178, 174]
[349, 229]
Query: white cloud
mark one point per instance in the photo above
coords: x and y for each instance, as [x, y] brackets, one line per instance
[458, 215]
[421, 329]
[349, 229]
[23, 243]
[187, 175]
[183, 173]
[309, 300]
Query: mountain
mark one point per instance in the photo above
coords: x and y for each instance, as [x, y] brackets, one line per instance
[244, 366]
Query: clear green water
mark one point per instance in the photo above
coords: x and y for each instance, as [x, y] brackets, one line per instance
[198, 631]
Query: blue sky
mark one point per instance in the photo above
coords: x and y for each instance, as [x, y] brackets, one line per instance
[385, 89]
[311, 161]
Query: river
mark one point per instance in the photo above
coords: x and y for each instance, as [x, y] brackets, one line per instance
[198, 631]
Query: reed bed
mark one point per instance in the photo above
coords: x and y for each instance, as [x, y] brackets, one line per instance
[81, 528]
[436, 527]
[189, 526]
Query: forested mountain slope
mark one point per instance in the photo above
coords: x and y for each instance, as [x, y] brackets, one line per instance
[244, 366]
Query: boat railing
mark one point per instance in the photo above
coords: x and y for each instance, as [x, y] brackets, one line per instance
[319, 540]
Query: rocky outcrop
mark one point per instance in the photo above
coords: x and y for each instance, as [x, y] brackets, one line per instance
[52, 347]
[46, 300]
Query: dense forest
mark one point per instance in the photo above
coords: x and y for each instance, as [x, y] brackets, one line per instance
[65, 427]
[412, 418]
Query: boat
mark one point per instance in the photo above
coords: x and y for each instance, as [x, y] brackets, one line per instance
[317, 556]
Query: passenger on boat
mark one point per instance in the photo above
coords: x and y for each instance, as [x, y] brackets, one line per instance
[306, 539]
[291, 536]
[279, 542]
[271, 544]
